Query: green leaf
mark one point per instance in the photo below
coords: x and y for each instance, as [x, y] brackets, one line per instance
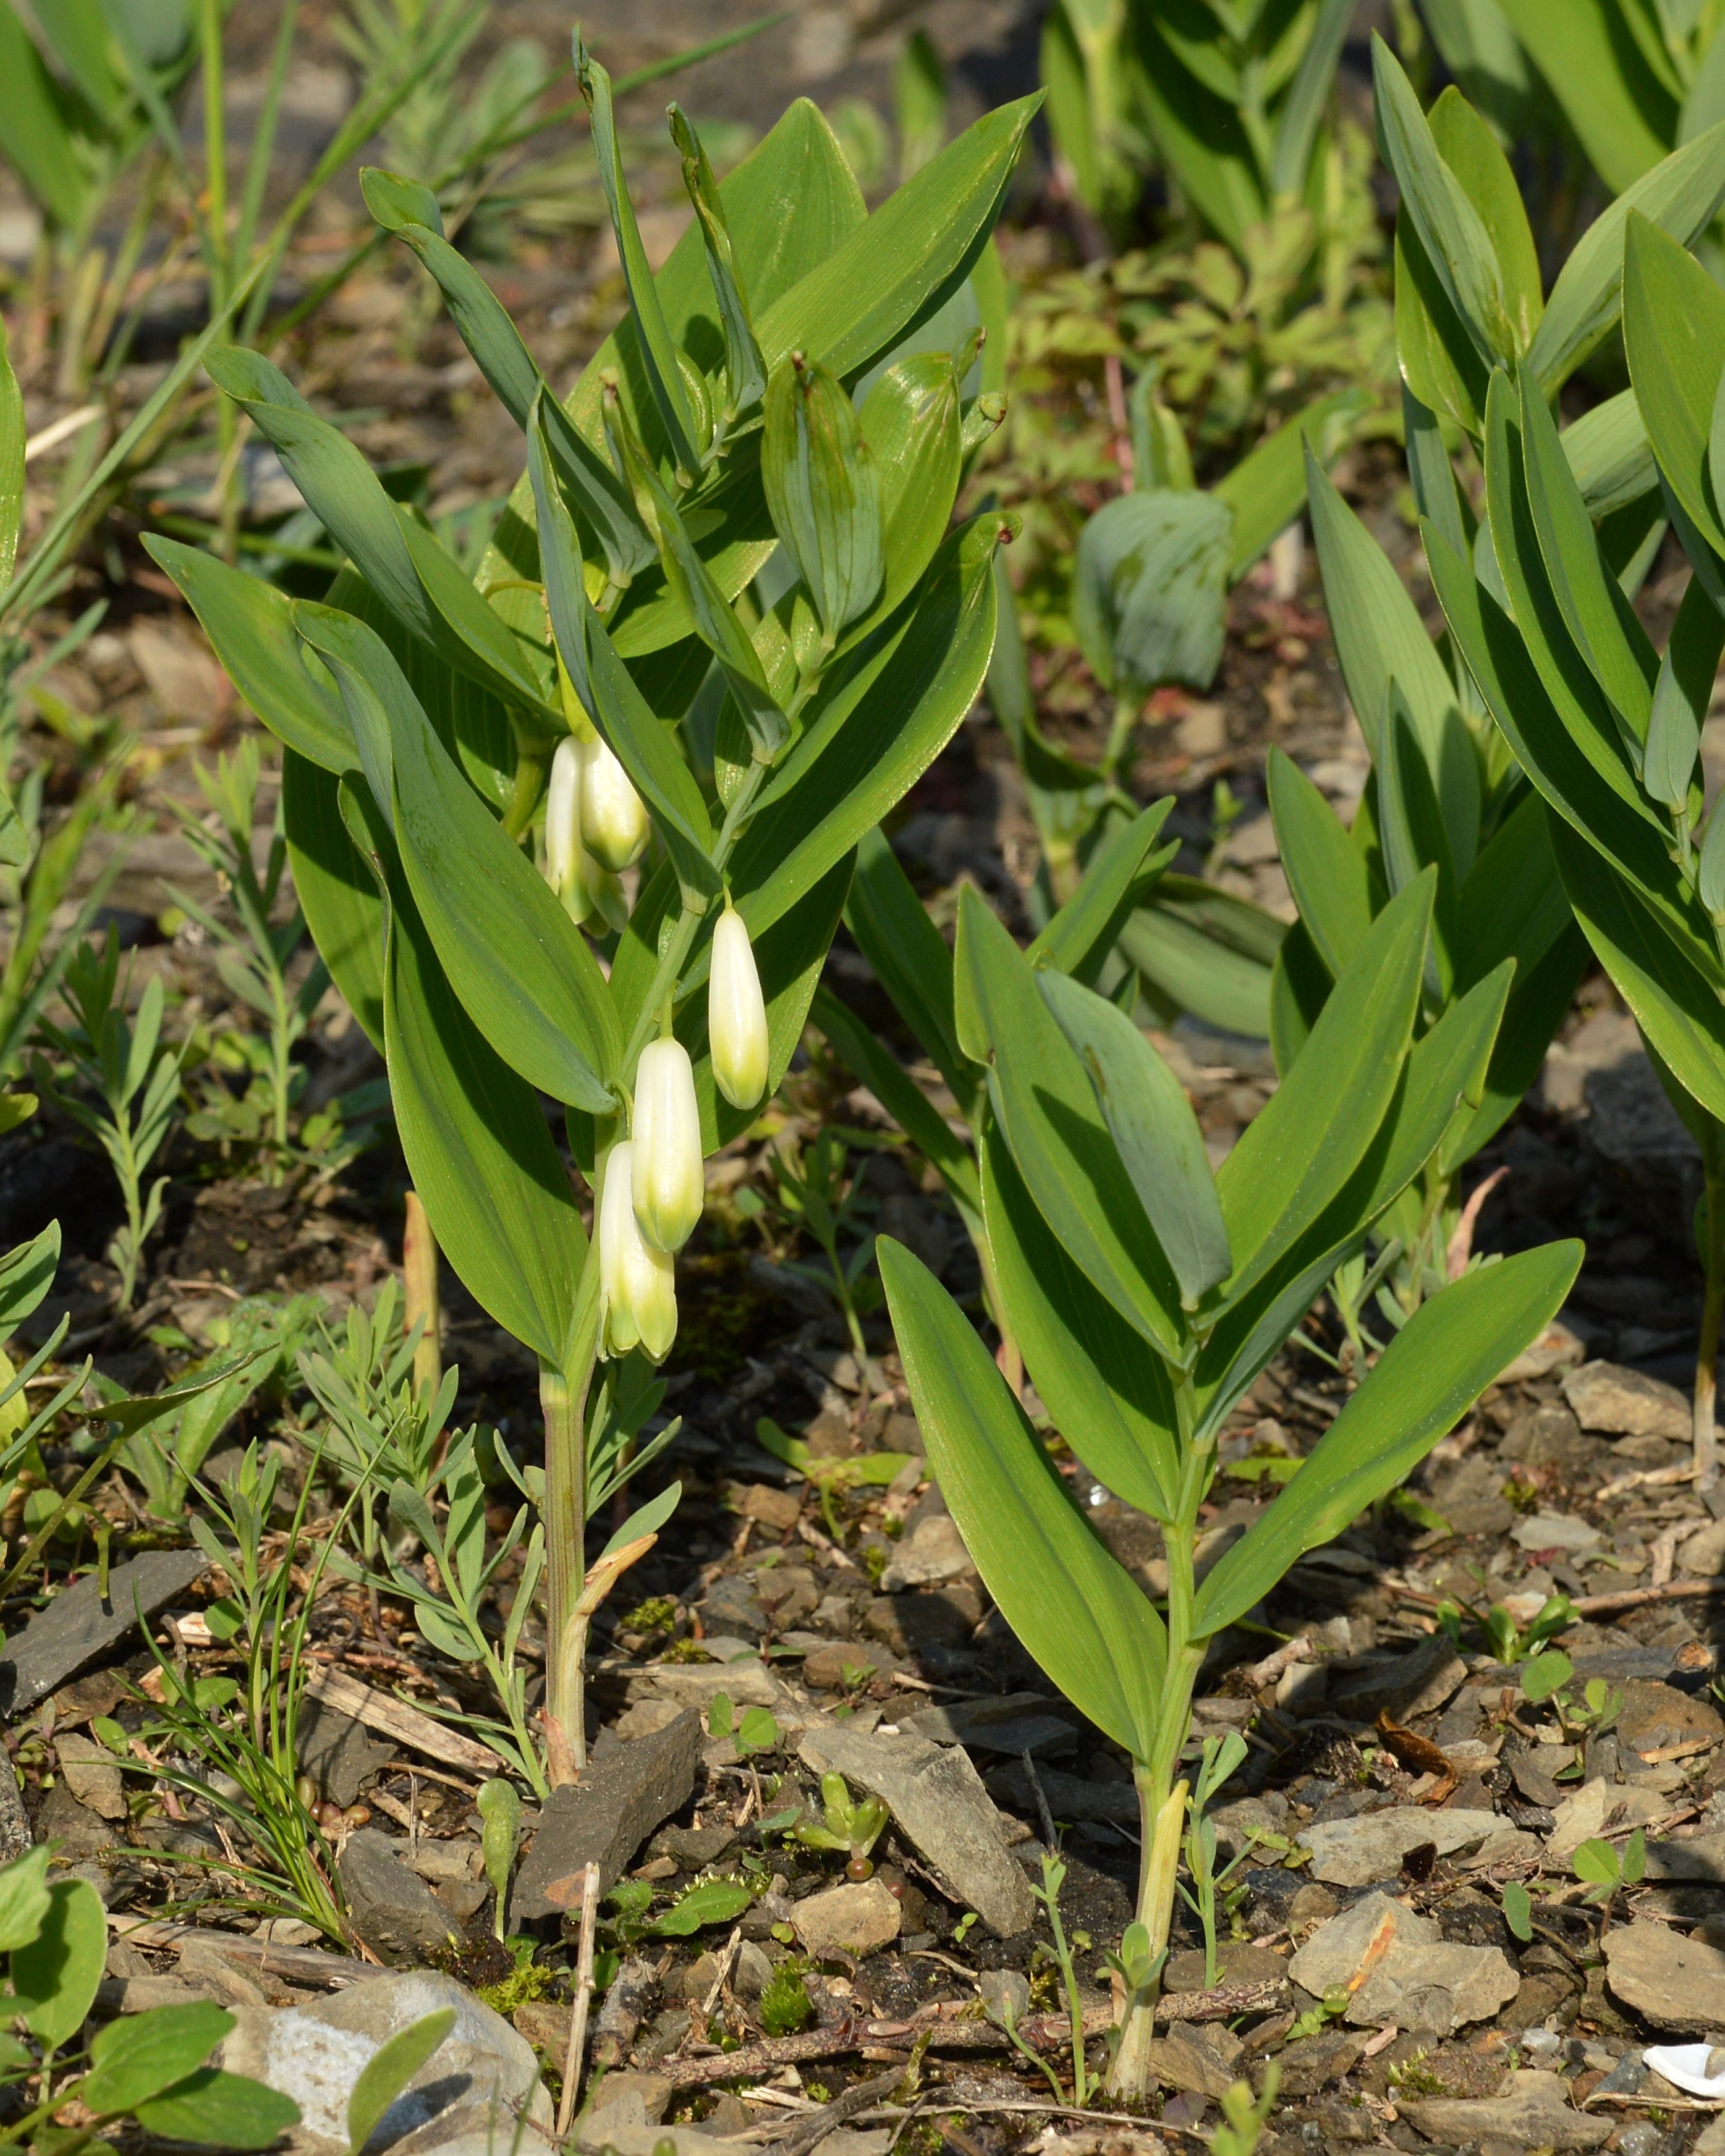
[910, 422]
[1674, 336]
[1671, 980]
[1380, 640]
[524, 971]
[1470, 150]
[27, 1273]
[823, 492]
[1325, 870]
[1429, 1375]
[1597, 616]
[645, 1519]
[1679, 195]
[1294, 1157]
[1597, 1862]
[1450, 229]
[1207, 951]
[141, 2055]
[1081, 933]
[216, 2110]
[1302, 109]
[23, 1898]
[250, 626]
[658, 352]
[868, 736]
[915, 250]
[477, 1147]
[1148, 588]
[1545, 1673]
[54, 1977]
[12, 463]
[1078, 1614]
[708, 1902]
[1518, 1909]
[1680, 698]
[36, 134]
[1043, 1097]
[337, 892]
[745, 372]
[1154, 1130]
[389, 2070]
[1624, 116]
[1611, 456]
[1112, 1402]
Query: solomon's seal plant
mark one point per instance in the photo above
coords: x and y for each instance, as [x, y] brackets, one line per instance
[1146, 1293]
[722, 627]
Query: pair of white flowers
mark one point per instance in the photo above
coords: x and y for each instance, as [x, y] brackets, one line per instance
[595, 826]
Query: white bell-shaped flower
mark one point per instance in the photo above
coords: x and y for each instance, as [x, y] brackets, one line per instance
[614, 823]
[668, 1182]
[737, 1014]
[637, 1283]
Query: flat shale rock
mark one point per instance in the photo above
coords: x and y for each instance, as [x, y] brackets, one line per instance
[1657, 1718]
[937, 1797]
[390, 1906]
[1397, 1967]
[1355, 1852]
[851, 1919]
[606, 1816]
[1618, 1402]
[1534, 2112]
[1401, 1685]
[1597, 1808]
[1677, 1983]
[483, 2075]
[1016, 1723]
[1700, 1859]
[933, 1553]
[78, 1628]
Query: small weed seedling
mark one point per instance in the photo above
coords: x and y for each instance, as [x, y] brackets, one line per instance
[1220, 1757]
[756, 1729]
[1245, 2115]
[501, 1810]
[847, 1825]
[1610, 1870]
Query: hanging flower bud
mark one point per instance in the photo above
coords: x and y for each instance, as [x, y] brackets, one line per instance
[736, 1013]
[667, 1176]
[568, 869]
[614, 823]
[636, 1281]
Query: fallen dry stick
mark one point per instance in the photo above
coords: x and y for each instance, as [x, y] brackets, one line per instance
[394, 1717]
[947, 2031]
[297, 1964]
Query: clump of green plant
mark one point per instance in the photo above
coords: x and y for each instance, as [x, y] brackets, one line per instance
[1245, 2115]
[133, 1075]
[786, 2008]
[1546, 1681]
[756, 1729]
[1609, 1870]
[145, 2068]
[849, 1824]
[1496, 1624]
[1145, 1292]
[650, 673]
[1220, 1757]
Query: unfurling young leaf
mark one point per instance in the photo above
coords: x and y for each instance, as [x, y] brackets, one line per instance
[823, 491]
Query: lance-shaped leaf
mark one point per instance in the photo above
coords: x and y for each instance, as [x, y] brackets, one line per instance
[868, 738]
[1599, 616]
[910, 422]
[26, 1275]
[250, 625]
[1450, 229]
[1674, 338]
[714, 621]
[1293, 1158]
[1077, 1611]
[1380, 640]
[1679, 195]
[1680, 698]
[1113, 1402]
[745, 372]
[609, 696]
[1148, 592]
[478, 1147]
[823, 491]
[1429, 1375]
[1326, 872]
[394, 555]
[1078, 937]
[659, 353]
[522, 969]
[1042, 1095]
[337, 893]
[602, 501]
[1154, 1132]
